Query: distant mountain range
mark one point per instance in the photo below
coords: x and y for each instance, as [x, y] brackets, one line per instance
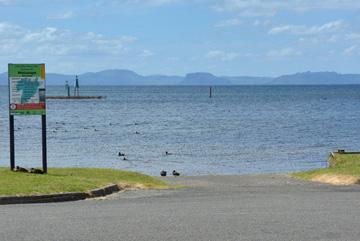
[127, 77]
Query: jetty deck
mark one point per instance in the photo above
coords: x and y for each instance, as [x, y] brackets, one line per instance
[75, 97]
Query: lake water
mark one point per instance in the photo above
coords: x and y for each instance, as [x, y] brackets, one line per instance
[242, 129]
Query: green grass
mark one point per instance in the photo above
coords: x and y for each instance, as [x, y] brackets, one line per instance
[340, 164]
[60, 180]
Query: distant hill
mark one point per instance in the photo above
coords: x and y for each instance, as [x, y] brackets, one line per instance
[163, 79]
[249, 80]
[204, 79]
[107, 77]
[316, 78]
[58, 79]
[128, 77]
[111, 77]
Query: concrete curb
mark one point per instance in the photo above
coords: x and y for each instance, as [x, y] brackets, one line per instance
[101, 192]
[63, 197]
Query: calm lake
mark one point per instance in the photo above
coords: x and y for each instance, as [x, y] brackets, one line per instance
[242, 129]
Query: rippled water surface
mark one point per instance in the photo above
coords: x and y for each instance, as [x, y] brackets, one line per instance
[242, 129]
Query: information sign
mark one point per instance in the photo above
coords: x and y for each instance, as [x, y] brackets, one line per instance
[27, 89]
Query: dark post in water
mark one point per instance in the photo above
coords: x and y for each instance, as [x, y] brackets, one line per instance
[210, 92]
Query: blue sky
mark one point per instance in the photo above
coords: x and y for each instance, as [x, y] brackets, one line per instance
[175, 37]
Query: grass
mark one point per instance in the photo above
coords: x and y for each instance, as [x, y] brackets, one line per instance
[61, 180]
[341, 165]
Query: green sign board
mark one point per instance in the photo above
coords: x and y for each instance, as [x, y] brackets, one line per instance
[27, 89]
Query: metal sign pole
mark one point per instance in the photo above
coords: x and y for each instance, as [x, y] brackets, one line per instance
[12, 143]
[44, 151]
[11, 130]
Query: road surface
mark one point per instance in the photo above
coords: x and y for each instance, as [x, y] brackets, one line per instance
[249, 207]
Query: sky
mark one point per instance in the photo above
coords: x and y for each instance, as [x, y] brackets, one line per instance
[175, 37]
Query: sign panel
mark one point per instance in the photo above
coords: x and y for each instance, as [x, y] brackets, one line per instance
[27, 89]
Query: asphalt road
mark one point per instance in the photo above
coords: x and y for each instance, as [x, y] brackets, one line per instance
[255, 207]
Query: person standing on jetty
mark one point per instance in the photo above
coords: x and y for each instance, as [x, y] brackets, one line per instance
[67, 88]
[77, 86]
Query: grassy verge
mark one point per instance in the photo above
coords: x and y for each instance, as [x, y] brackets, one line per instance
[60, 180]
[344, 169]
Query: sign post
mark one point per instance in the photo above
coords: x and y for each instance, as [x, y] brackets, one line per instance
[27, 97]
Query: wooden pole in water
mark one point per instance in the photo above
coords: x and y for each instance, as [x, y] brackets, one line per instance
[210, 92]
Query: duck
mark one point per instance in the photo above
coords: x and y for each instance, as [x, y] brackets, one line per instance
[121, 154]
[21, 169]
[175, 173]
[163, 173]
[36, 171]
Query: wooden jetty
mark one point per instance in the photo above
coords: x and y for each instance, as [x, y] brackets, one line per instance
[74, 97]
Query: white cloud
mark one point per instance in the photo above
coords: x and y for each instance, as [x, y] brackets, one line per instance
[61, 16]
[221, 55]
[143, 2]
[258, 22]
[352, 36]
[52, 41]
[66, 51]
[352, 50]
[334, 38]
[173, 59]
[329, 27]
[228, 23]
[253, 8]
[6, 2]
[146, 53]
[284, 52]
[8, 30]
